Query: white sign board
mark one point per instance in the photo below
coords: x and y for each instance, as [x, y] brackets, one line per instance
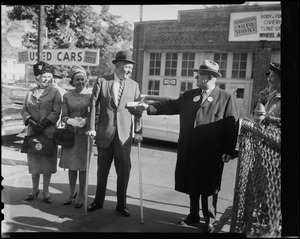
[255, 26]
[83, 57]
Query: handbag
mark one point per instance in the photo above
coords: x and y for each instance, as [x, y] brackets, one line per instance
[40, 145]
[64, 137]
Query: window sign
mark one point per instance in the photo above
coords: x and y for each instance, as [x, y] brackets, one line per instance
[255, 26]
[169, 81]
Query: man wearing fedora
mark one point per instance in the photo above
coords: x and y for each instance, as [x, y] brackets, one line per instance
[114, 128]
[207, 139]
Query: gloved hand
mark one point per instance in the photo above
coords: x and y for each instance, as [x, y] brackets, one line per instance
[46, 122]
[226, 158]
[138, 137]
[80, 122]
[91, 133]
[72, 122]
[37, 127]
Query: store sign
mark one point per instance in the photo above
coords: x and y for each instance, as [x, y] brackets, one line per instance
[255, 26]
[83, 57]
[169, 81]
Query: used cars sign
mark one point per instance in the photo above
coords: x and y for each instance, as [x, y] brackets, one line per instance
[84, 57]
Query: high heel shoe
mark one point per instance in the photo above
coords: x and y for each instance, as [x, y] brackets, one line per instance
[47, 199]
[68, 202]
[30, 196]
[79, 204]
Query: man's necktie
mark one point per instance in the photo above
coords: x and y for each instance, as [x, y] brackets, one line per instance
[120, 91]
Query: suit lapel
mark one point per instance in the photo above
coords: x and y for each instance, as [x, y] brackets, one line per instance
[125, 91]
[212, 96]
[111, 89]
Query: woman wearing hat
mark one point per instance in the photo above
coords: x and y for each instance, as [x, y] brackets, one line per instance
[273, 105]
[74, 115]
[40, 112]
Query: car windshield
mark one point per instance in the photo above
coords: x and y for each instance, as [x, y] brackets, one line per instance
[5, 99]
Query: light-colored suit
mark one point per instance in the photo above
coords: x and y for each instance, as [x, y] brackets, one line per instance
[114, 125]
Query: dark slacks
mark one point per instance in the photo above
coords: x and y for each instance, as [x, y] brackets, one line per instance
[208, 204]
[122, 163]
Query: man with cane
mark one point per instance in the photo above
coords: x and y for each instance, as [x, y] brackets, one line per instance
[114, 128]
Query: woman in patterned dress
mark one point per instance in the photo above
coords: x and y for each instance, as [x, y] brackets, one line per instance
[41, 110]
[74, 115]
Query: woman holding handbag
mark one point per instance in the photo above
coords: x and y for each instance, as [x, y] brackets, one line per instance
[74, 115]
[41, 110]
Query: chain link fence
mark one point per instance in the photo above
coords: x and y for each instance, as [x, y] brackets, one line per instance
[257, 195]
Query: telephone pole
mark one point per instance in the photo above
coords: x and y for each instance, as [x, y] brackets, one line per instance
[40, 32]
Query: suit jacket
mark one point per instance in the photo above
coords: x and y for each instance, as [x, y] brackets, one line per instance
[222, 106]
[110, 117]
[48, 105]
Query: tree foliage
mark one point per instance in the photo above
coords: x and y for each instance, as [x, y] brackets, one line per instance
[77, 26]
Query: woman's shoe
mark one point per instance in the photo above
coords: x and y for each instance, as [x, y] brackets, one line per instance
[30, 197]
[68, 202]
[47, 199]
[79, 204]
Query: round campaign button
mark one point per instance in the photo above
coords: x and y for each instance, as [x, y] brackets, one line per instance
[38, 146]
[196, 98]
[210, 99]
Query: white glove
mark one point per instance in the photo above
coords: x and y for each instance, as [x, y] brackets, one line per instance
[72, 122]
[80, 121]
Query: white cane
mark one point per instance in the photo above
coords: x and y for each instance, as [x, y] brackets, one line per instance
[140, 181]
[88, 159]
[89, 153]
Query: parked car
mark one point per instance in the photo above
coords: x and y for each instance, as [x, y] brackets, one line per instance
[160, 127]
[15, 93]
[11, 119]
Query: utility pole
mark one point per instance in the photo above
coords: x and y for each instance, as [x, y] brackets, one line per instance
[40, 32]
[141, 13]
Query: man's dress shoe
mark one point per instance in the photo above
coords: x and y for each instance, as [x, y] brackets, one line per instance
[189, 220]
[94, 206]
[124, 211]
[209, 228]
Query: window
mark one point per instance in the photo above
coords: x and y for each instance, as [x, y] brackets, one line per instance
[171, 64]
[253, 59]
[184, 86]
[187, 64]
[155, 62]
[153, 87]
[5, 63]
[239, 65]
[221, 59]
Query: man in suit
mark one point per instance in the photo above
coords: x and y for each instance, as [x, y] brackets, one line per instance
[114, 128]
[207, 139]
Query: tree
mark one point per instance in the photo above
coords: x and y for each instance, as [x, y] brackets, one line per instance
[77, 26]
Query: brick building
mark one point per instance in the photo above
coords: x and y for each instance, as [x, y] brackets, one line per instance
[243, 39]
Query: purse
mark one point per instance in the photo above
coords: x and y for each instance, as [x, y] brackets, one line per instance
[40, 145]
[64, 137]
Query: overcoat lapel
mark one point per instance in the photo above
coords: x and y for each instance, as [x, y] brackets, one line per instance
[213, 95]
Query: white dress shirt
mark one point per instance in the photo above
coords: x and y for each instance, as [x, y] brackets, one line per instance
[116, 88]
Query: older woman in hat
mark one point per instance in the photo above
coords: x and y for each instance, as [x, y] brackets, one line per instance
[273, 105]
[74, 115]
[40, 112]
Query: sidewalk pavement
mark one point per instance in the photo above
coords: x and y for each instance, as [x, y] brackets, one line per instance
[163, 207]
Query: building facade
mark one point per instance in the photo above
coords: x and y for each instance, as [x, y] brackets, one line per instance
[242, 39]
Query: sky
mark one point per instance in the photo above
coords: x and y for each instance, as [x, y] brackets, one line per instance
[131, 13]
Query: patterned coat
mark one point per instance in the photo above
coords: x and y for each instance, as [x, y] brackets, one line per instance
[48, 105]
[110, 116]
[222, 106]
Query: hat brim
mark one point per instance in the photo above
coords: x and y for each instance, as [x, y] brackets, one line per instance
[115, 61]
[215, 73]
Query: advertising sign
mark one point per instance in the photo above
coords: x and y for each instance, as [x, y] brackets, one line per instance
[169, 81]
[83, 57]
[255, 26]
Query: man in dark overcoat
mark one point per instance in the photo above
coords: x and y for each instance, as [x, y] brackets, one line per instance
[207, 138]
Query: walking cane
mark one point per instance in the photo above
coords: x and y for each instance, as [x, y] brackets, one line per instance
[140, 181]
[88, 158]
[89, 155]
